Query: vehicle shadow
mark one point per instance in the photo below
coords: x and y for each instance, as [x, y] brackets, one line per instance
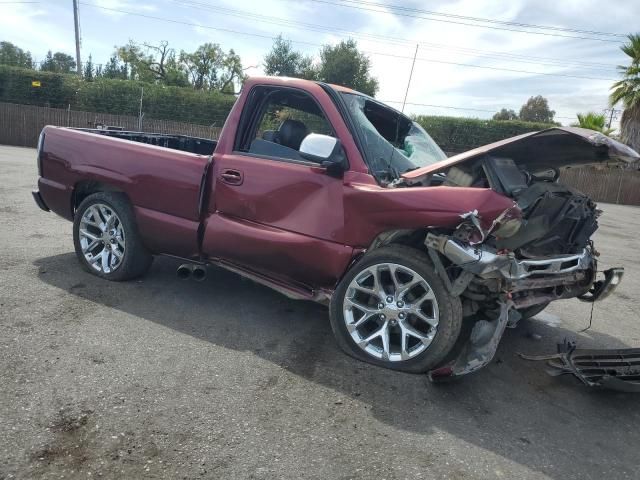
[511, 408]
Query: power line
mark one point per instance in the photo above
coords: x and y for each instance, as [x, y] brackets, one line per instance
[450, 107]
[429, 60]
[488, 67]
[388, 39]
[359, 7]
[486, 20]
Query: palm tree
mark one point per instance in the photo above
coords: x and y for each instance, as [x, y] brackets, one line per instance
[627, 91]
[593, 121]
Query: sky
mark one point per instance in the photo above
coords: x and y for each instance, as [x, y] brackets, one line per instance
[463, 68]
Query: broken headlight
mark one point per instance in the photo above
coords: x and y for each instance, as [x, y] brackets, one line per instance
[508, 223]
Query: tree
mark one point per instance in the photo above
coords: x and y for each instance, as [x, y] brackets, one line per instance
[58, 62]
[627, 91]
[505, 114]
[232, 73]
[593, 121]
[88, 72]
[210, 68]
[11, 54]
[114, 69]
[344, 65]
[284, 61]
[537, 110]
[153, 63]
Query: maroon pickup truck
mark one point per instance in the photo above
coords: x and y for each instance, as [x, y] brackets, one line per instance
[326, 194]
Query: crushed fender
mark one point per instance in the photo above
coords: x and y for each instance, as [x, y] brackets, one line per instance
[481, 347]
[617, 369]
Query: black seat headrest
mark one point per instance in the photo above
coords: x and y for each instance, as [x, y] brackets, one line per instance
[291, 133]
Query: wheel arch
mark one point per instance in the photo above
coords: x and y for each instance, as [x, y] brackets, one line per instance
[409, 237]
[84, 188]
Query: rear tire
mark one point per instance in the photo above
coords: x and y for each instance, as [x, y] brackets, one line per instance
[106, 238]
[395, 287]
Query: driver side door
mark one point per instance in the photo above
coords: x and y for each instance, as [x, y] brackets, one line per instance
[276, 213]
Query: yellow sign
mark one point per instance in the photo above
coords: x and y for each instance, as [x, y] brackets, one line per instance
[35, 83]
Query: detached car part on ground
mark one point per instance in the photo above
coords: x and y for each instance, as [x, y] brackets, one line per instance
[424, 260]
[617, 369]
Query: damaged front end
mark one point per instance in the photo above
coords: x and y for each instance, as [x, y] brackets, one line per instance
[537, 251]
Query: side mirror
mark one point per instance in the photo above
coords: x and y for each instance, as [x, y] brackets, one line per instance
[325, 150]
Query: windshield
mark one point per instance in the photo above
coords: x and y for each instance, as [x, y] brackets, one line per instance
[393, 143]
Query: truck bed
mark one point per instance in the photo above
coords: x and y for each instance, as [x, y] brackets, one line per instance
[164, 185]
[183, 143]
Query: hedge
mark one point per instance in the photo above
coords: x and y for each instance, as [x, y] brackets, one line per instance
[455, 134]
[113, 96]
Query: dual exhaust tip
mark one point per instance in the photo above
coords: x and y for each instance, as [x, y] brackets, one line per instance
[188, 270]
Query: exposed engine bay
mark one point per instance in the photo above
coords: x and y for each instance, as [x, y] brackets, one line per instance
[548, 218]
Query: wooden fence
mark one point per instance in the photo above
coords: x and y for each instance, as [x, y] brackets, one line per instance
[611, 185]
[20, 125]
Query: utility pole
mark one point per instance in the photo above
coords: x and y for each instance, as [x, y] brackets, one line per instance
[76, 21]
[410, 75]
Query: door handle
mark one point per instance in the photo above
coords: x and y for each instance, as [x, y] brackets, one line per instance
[232, 177]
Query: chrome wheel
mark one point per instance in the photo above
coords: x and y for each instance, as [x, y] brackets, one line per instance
[102, 238]
[391, 312]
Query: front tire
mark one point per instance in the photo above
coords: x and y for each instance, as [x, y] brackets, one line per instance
[532, 311]
[391, 309]
[106, 238]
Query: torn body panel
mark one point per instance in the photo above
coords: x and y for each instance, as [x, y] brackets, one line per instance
[553, 148]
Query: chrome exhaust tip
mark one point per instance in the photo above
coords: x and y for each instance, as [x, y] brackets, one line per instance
[199, 273]
[184, 271]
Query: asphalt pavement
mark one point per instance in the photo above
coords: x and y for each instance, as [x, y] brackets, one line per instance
[163, 378]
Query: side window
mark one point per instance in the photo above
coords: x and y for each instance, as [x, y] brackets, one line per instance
[285, 117]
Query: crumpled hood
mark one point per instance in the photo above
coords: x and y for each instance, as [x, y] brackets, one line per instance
[555, 147]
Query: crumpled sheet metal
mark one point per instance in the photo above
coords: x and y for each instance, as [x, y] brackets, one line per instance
[617, 369]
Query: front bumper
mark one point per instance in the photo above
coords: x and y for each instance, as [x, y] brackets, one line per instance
[39, 200]
[515, 285]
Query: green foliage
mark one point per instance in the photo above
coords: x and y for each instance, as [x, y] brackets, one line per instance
[344, 64]
[12, 55]
[203, 65]
[58, 62]
[104, 95]
[56, 90]
[88, 71]
[284, 61]
[455, 134]
[627, 92]
[536, 110]
[593, 121]
[505, 114]
[153, 63]
[208, 68]
[114, 69]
